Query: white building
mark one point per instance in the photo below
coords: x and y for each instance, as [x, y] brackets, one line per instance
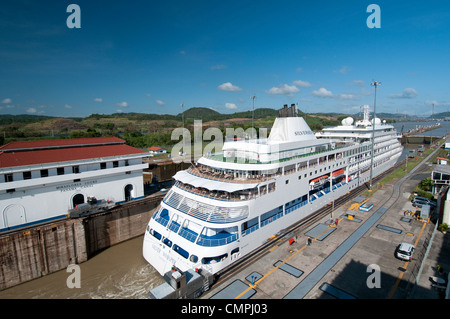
[43, 180]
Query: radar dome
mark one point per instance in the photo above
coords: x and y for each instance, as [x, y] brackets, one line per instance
[377, 121]
[347, 121]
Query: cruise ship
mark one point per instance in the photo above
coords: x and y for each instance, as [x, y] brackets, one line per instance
[226, 205]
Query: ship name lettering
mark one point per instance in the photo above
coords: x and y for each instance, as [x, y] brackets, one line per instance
[299, 133]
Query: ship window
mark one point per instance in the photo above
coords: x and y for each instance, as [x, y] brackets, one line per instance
[180, 251]
[9, 178]
[249, 226]
[116, 164]
[76, 169]
[26, 175]
[155, 234]
[167, 241]
[102, 165]
[213, 260]
[287, 181]
[271, 215]
[60, 170]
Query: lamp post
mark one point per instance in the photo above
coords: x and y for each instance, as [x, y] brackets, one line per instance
[253, 113]
[375, 84]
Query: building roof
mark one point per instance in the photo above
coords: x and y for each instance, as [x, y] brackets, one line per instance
[58, 143]
[155, 148]
[53, 151]
[441, 169]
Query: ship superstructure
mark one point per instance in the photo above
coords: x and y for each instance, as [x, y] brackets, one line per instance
[228, 204]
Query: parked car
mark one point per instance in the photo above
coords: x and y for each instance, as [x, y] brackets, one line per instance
[419, 201]
[404, 251]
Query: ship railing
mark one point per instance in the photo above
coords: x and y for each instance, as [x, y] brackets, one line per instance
[212, 242]
[271, 219]
[227, 177]
[188, 234]
[250, 230]
[174, 226]
[221, 158]
[296, 206]
[203, 211]
[163, 219]
[218, 195]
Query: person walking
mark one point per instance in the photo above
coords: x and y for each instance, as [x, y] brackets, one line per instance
[309, 241]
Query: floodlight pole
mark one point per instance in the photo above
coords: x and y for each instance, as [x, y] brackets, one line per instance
[375, 84]
[253, 112]
[182, 119]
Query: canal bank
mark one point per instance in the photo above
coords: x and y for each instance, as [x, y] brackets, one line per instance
[30, 253]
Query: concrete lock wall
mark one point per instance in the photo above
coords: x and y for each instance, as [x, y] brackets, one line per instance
[30, 253]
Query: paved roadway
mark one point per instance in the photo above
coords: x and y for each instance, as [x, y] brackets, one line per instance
[355, 260]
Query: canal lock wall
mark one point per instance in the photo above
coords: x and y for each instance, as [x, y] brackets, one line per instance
[30, 253]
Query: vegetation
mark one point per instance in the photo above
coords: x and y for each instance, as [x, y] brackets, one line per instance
[443, 227]
[138, 129]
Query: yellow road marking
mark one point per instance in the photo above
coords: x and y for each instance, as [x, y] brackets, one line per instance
[250, 286]
[273, 248]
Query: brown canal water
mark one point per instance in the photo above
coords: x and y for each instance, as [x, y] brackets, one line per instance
[119, 272]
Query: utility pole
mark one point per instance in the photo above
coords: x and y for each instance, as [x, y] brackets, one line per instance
[182, 118]
[253, 113]
[375, 84]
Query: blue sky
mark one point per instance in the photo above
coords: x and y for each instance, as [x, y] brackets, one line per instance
[153, 56]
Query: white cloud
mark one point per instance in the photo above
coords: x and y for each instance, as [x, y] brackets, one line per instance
[67, 106]
[97, 99]
[348, 97]
[302, 84]
[436, 103]
[231, 106]
[31, 110]
[344, 70]
[322, 93]
[358, 83]
[229, 87]
[218, 67]
[7, 101]
[148, 95]
[122, 104]
[408, 93]
[284, 89]
[159, 102]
